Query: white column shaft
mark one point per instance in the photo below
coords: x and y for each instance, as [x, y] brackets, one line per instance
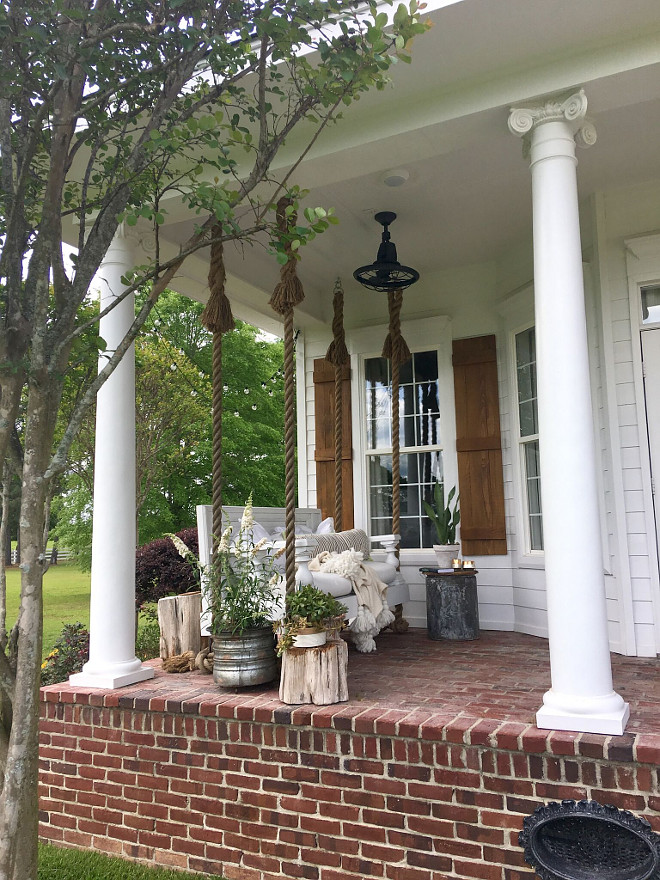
[582, 696]
[571, 518]
[112, 661]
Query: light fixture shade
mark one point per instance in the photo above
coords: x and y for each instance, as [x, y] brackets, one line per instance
[386, 273]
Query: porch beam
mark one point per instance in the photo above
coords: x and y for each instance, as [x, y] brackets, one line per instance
[112, 661]
[581, 697]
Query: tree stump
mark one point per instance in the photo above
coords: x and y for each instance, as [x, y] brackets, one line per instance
[315, 675]
[179, 621]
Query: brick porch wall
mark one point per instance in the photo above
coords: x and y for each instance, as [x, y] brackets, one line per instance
[261, 791]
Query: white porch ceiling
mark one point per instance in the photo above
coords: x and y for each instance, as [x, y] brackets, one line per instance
[468, 197]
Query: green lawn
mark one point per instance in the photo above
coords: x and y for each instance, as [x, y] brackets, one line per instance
[71, 864]
[66, 599]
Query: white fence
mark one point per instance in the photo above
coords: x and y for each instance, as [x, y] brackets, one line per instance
[63, 555]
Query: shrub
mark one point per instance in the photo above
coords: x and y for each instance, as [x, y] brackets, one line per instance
[147, 641]
[69, 655]
[160, 571]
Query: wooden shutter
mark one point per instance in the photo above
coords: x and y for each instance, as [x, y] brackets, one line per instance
[478, 445]
[324, 410]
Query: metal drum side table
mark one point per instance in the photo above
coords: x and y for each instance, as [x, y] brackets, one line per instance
[452, 608]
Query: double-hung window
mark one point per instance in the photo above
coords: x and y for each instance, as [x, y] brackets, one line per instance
[528, 436]
[420, 441]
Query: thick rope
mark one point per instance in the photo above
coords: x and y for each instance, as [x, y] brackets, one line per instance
[216, 470]
[396, 349]
[217, 318]
[287, 294]
[339, 450]
[337, 354]
[290, 451]
[396, 456]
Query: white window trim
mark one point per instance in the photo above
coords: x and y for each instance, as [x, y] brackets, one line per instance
[526, 552]
[421, 335]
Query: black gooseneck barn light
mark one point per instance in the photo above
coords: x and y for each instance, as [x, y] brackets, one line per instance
[386, 273]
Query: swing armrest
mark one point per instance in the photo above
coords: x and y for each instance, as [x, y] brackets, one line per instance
[389, 544]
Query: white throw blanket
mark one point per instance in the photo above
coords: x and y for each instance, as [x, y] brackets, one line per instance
[371, 593]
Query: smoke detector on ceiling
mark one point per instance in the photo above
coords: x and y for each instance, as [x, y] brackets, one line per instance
[396, 177]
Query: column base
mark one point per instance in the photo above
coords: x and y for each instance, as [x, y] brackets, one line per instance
[604, 715]
[110, 680]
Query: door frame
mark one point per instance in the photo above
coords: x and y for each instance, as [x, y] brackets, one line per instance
[643, 268]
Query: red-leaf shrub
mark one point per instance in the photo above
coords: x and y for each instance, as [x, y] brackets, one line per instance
[160, 571]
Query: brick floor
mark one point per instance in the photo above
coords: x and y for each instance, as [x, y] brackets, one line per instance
[501, 677]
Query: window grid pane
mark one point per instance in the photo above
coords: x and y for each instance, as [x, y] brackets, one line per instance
[651, 304]
[529, 444]
[526, 375]
[421, 467]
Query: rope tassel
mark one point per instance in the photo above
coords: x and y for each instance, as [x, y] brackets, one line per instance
[337, 352]
[217, 316]
[395, 347]
[289, 291]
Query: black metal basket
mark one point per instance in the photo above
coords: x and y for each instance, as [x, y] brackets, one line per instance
[587, 841]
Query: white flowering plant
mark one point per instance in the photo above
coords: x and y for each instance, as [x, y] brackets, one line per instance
[242, 582]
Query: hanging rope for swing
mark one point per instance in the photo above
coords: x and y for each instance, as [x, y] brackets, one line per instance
[337, 355]
[396, 349]
[217, 318]
[287, 294]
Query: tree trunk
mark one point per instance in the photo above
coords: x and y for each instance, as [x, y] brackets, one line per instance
[19, 798]
[315, 675]
[179, 620]
[5, 544]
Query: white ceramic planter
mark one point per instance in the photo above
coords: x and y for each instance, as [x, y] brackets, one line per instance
[310, 638]
[444, 553]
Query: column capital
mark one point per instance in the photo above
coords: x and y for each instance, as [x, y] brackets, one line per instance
[571, 109]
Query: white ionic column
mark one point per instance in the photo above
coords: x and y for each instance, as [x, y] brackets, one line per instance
[581, 697]
[112, 661]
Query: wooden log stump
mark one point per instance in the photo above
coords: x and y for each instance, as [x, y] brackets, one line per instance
[315, 675]
[179, 621]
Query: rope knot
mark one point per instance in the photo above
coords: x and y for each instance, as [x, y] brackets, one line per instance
[217, 316]
[289, 291]
[337, 353]
[395, 347]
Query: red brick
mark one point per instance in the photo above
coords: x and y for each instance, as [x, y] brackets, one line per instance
[362, 867]
[457, 730]
[364, 832]
[508, 735]
[477, 869]
[550, 791]
[408, 806]
[427, 860]
[504, 856]
[395, 872]
[647, 749]
[455, 813]
[432, 827]
[622, 800]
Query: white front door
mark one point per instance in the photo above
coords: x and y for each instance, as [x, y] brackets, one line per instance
[651, 360]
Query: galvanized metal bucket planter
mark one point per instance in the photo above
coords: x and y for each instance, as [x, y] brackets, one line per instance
[244, 659]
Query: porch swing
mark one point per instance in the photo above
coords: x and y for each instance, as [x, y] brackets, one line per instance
[288, 293]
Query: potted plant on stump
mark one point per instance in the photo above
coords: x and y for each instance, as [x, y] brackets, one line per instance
[445, 518]
[244, 591]
[309, 615]
[313, 668]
